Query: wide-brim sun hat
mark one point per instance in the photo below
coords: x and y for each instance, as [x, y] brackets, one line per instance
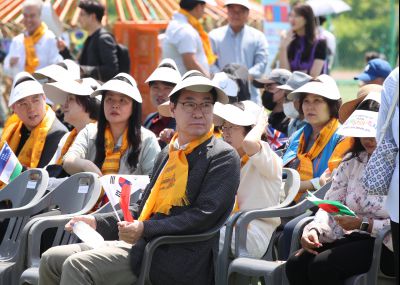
[348, 108]
[362, 123]
[167, 71]
[25, 89]
[234, 114]
[117, 84]
[59, 91]
[229, 86]
[244, 3]
[64, 70]
[196, 81]
[323, 85]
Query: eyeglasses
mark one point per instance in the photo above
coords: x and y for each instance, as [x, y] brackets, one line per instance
[230, 128]
[190, 107]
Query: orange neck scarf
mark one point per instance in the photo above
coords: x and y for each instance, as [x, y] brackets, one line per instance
[71, 137]
[211, 57]
[31, 152]
[305, 168]
[112, 161]
[170, 187]
[31, 61]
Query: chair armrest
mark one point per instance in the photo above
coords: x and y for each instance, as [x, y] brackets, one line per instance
[297, 233]
[372, 274]
[35, 233]
[144, 277]
[245, 219]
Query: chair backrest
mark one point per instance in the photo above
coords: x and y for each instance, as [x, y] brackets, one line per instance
[78, 194]
[28, 187]
[290, 187]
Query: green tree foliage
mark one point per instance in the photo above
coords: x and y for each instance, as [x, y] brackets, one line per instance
[365, 28]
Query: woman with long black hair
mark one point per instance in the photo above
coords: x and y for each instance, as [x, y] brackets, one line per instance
[117, 143]
[301, 49]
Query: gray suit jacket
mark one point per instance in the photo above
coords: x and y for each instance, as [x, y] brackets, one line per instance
[214, 175]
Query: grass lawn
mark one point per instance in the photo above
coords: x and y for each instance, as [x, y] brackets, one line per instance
[348, 90]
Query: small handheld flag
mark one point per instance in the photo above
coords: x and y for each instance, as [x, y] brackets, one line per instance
[332, 207]
[10, 167]
[119, 189]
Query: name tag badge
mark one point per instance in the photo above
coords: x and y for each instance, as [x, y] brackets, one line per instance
[83, 189]
[31, 184]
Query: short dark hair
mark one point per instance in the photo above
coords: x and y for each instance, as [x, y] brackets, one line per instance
[334, 105]
[174, 98]
[92, 7]
[189, 5]
[90, 105]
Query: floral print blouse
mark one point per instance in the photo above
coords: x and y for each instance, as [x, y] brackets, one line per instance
[348, 189]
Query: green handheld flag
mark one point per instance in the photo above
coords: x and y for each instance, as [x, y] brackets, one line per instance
[332, 207]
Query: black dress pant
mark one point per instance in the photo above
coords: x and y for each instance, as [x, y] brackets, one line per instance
[337, 261]
[395, 237]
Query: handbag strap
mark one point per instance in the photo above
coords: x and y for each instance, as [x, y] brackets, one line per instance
[390, 113]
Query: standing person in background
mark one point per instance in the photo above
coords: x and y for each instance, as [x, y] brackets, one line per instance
[36, 47]
[392, 202]
[330, 40]
[239, 43]
[99, 58]
[301, 49]
[185, 41]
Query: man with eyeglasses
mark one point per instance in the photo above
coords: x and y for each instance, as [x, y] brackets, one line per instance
[185, 196]
[98, 58]
[241, 44]
[35, 132]
[36, 47]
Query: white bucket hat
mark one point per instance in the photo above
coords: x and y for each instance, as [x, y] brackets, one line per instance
[24, 89]
[64, 70]
[58, 91]
[116, 84]
[196, 81]
[244, 3]
[167, 71]
[362, 123]
[228, 85]
[323, 85]
[234, 114]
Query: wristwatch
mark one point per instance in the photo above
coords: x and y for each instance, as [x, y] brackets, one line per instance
[364, 224]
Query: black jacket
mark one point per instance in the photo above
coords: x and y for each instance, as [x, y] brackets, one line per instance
[214, 175]
[98, 58]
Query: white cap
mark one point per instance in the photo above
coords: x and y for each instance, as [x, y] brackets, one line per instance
[234, 114]
[21, 76]
[64, 70]
[25, 89]
[164, 72]
[58, 91]
[362, 123]
[228, 85]
[196, 81]
[245, 3]
[209, 2]
[323, 85]
[117, 85]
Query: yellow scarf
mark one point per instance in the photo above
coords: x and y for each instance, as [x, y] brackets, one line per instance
[31, 61]
[170, 187]
[112, 159]
[31, 152]
[245, 158]
[211, 57]
[305, 168]
[71, 137]
[340, 150]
